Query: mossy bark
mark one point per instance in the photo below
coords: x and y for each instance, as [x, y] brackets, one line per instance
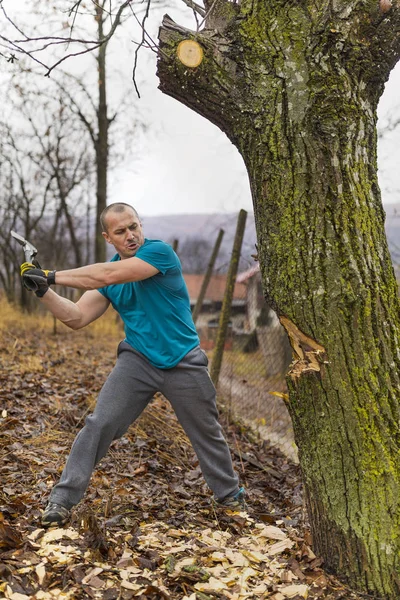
[295, 87]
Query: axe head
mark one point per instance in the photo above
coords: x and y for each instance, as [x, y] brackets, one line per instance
[29, 249]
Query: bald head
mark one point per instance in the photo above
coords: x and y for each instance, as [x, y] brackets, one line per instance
[116, 207]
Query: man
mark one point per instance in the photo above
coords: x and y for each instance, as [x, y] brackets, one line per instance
[161, 352]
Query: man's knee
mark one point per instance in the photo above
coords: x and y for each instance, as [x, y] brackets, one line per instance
[105, 426]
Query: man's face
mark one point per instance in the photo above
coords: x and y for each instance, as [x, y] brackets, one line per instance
[124, 232]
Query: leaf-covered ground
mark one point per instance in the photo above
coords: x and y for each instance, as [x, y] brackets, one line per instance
[147, 528]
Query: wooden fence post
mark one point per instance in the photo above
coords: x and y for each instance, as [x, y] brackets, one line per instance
[227, 302]
[207, 276]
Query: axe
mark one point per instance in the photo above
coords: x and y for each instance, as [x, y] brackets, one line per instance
[29, 249]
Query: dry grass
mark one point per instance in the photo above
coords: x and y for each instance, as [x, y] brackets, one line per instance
[246, 366]
[109, 325]
[13, 319]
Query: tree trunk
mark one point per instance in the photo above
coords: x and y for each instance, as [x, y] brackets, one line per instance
[101, 144]
[295, 86]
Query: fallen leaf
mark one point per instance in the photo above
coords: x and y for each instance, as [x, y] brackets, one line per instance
[15, 595]
[41, 573]
[96, 583]
[9, 537]
[280, 547]
[272, 533]
[35, 534]
[58, 534]
[254, 556]
[291, 591]
[213, 585]
[92, 573]
[131, 586]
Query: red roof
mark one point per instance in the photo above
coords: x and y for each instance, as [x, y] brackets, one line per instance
[215, 290]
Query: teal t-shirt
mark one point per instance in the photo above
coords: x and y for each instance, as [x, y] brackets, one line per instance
[156, 311]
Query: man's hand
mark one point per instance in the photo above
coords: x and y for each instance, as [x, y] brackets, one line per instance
[36, 280]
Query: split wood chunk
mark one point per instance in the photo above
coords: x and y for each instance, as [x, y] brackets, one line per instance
[190, 53]
[308, 353]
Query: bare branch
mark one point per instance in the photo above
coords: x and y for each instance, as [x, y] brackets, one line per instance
[11, 21]
[197, 9]
[22, 51]
[75, 7]
[79, 110]
[94, 44]
[141, 43]
[73, 54]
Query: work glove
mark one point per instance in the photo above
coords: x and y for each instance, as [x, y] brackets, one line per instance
[37, 280]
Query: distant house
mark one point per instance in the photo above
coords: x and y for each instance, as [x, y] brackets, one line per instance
[251, 279]
[208, 319]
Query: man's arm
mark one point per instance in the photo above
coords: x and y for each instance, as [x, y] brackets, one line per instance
[76, 314]
[99, 275]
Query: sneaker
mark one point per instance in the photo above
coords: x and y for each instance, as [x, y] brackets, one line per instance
[235, 502]
[55, 514]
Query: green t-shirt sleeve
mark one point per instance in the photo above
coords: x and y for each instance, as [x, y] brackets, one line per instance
[158, 254]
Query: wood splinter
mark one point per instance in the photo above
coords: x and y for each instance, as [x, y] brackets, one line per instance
[309, 355]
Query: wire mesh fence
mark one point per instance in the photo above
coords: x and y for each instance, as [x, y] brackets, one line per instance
[251, 383]
[252, 386]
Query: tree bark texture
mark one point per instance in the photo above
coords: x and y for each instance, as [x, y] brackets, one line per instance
[295, 86]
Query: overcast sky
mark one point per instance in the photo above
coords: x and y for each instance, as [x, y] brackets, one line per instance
[189, 165]
[184, 164]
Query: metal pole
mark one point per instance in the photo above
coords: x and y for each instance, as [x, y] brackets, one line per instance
[227, 302]
[207, 276]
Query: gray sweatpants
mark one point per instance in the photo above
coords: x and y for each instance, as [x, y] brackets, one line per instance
[127, 391]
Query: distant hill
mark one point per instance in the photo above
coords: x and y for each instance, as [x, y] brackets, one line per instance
[206, 226]
[181, 227]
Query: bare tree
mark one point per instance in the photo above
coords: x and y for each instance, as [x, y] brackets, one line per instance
[45, 167]
[20, 208]
[89, 100]
[194, 254]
